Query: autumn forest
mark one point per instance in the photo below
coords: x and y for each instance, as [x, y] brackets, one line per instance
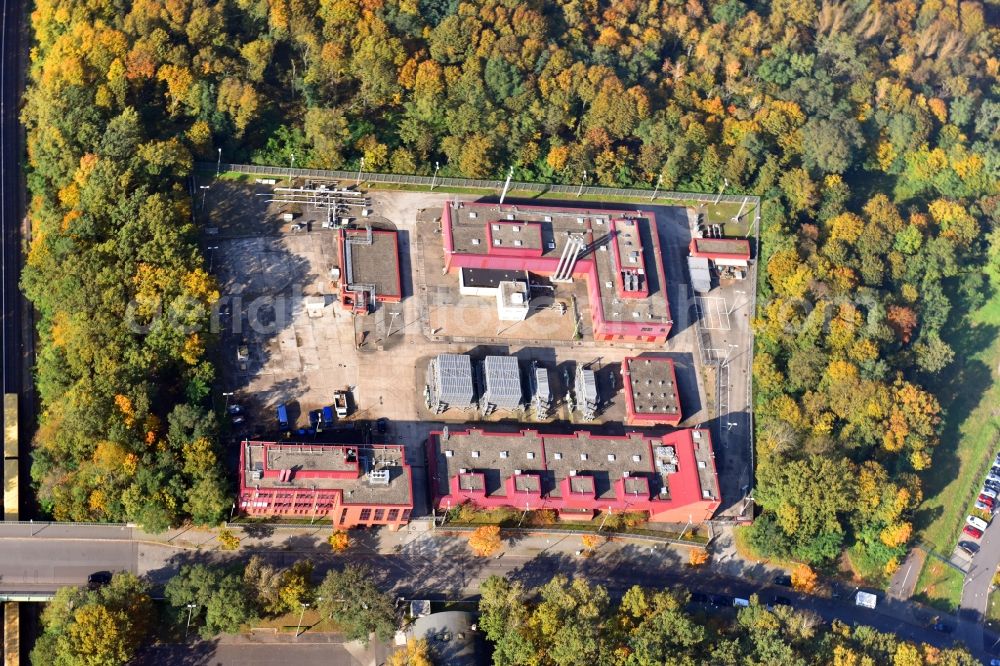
[869, 129]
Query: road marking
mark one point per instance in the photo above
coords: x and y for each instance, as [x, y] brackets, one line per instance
[712, 313]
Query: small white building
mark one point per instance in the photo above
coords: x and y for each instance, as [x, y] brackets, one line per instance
[512, 301]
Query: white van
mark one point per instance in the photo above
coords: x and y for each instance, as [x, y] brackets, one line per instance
[978, 523]
[742, 603]
[986, 492]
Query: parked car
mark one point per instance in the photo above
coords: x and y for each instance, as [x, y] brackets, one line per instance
[777, 600]
[978, 523]
[234, 409]
[968, 546]
[982, 506]
[315, 416]
[382, 425]
[283, 417]
[238, 419]
[986, 499]
[972, 532]
[943, 628]
[783, 580]
[741, 602]
[720, 600]
[993, 485]
[98, 579]
[986, 492]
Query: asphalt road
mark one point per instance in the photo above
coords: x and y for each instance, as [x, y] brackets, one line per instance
[42, 564]
[432, 567]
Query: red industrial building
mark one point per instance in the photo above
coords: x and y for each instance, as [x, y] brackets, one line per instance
[616, 252]
[351, 485]
[651, 397]
[672, 478]
[369, 260]
[723, 251]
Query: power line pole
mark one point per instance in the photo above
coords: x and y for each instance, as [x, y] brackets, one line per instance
[361, 166]
[437, 165]
[656, 189]
[580, 191]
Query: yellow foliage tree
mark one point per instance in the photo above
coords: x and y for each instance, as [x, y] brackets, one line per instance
[416, 653]
[228, 540]
[339, 541]
[485, 540]
[896, 534]
[591, 541]
[804, 579]
[97, 636]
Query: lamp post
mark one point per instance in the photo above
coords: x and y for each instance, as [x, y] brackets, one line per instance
[211, 256]
[298, 629]
[291, 167]
[361, 166]
[437, 165]
[190, 608]
[580, 191]
[227, 395]
[725, 184]
[218, 165]
[204, 195]
[656, 189]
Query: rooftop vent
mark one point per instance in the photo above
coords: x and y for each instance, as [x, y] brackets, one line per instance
[449, 453]
[505, 454]
[475, 454]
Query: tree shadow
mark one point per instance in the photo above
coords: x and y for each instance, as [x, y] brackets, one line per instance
[198, 653]
[960, 389]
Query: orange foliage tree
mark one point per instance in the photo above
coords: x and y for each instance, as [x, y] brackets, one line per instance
[485, 540]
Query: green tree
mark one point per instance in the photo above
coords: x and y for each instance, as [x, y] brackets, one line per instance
[352, 599]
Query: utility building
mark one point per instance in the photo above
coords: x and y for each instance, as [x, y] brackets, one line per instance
[370, 262]
[350, 485]
[651, 396]
[617, 253]
[671, 478]
[449, 383]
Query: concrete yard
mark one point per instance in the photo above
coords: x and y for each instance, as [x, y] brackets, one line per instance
[280, 300]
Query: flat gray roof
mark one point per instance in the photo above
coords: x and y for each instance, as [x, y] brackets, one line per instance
[653, 386]
[318, 458]
[469, 223]
[378, 263]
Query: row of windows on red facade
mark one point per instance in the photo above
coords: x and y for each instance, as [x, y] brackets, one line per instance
[380, 515]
